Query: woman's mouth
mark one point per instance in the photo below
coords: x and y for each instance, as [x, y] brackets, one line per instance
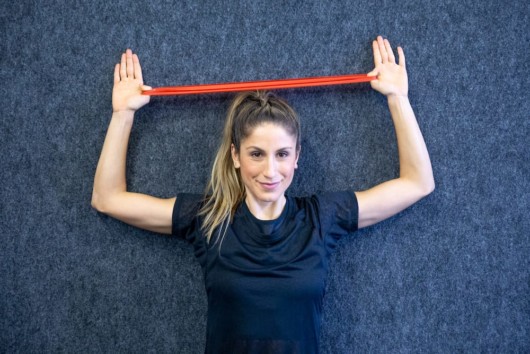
[269, 186]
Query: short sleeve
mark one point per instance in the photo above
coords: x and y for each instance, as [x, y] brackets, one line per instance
[338, 214]
[186, 223]
[185, 214]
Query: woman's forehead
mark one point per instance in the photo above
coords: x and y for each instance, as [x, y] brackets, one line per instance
[269, 133]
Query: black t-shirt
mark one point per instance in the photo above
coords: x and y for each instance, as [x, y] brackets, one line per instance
[265, 283]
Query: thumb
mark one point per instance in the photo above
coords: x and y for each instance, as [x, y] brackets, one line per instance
[373, 73]
[146, 88]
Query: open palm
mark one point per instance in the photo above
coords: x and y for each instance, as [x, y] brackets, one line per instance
[391, 76]
[128, 84]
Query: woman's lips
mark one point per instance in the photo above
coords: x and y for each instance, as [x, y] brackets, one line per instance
[269, 186]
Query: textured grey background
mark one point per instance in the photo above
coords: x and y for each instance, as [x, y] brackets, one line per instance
[450, 274]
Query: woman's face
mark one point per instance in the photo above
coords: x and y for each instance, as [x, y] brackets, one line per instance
[267, 159]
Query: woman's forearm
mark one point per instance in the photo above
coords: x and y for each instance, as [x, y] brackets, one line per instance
[414, 161]
[110, 173]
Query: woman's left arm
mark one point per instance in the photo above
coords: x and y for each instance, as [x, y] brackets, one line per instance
[415, 179]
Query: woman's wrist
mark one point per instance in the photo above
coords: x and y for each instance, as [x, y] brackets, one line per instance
[393, 98]
[123, 114]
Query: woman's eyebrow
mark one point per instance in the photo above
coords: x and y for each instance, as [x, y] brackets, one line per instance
[259, 149]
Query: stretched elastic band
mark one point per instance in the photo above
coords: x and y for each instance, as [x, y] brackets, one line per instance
[259, 85]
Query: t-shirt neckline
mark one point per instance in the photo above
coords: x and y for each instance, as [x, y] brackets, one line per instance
[266, 231]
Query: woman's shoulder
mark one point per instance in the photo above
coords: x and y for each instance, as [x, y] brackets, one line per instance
[329, 205]
[186, 209]
[324, 197]
[189, 202]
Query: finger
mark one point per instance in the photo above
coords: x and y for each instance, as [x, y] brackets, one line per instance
[391, 57]
[130, 66]
[137, 68]
[117, 73]
[382, 49]
[401, 55]
[377, 53]
[123, 72]
[146, 88]
[373, 73]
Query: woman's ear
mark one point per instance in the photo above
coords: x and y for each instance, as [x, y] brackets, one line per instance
[297, 156]
[235, 156]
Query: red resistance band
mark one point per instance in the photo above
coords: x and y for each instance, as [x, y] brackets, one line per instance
[259, 85]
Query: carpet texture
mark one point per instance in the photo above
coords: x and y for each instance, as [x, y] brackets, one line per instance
[450, 274]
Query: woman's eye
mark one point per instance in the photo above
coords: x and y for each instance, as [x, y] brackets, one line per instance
[255, 154]
[283, 154]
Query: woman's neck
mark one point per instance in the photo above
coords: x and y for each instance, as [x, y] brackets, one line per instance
[266, 210]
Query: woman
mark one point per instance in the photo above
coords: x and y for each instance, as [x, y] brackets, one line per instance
[264, 255]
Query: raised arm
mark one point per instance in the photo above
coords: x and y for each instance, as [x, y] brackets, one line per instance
[415, 179]
[110, 195]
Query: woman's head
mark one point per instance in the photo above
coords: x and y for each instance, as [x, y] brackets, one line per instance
[251, 109]
[265, 141]
[274, 129]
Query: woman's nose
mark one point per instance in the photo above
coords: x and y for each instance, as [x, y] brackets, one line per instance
[269, 170]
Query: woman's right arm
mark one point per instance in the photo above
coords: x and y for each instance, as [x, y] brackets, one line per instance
[110, 195]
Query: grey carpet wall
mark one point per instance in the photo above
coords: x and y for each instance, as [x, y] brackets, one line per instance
[450, 274]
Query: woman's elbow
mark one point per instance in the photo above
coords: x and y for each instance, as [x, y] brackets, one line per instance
[427, 187]
[97, 202]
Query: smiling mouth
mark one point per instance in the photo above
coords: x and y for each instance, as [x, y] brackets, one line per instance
[269, 185]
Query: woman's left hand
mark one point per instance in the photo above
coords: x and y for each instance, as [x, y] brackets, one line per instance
[391, 77]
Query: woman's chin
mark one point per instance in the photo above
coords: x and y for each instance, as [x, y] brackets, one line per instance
[267, 197]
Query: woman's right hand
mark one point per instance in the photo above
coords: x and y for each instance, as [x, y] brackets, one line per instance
[128, 84]
[110, 195]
